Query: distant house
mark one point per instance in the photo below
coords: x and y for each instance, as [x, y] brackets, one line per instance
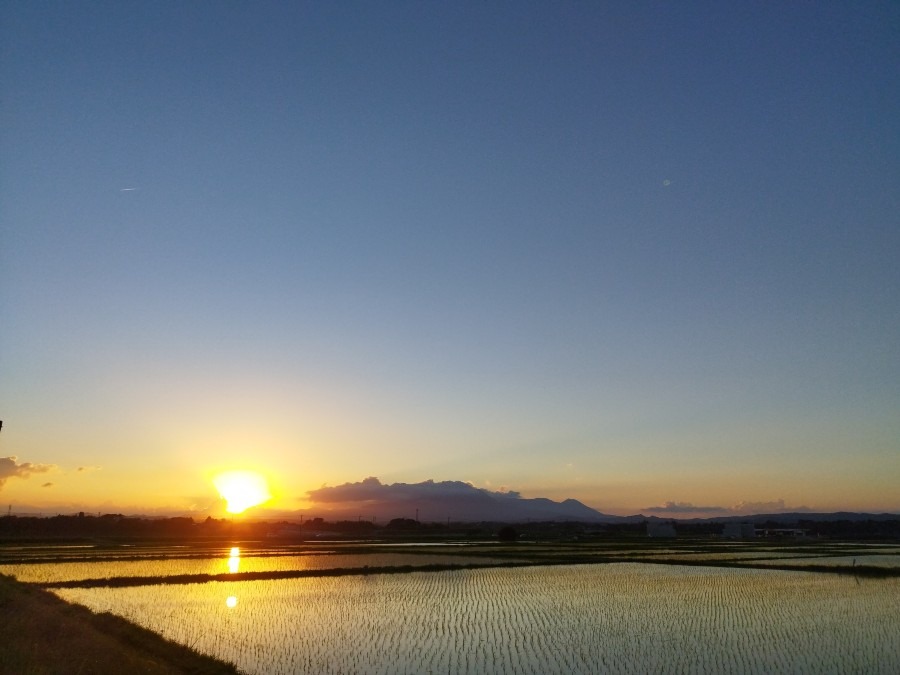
[739, 531]
[784, 532]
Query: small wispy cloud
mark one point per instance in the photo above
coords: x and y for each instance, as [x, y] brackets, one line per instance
[777, 506]
[684, 507]
[82, 469]
[128, 189]
[47, 485]
[739, 509]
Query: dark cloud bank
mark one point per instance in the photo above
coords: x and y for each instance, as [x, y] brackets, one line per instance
[454, 500]
[462, 502]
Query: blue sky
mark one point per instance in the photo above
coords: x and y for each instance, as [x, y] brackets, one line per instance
[631, 253]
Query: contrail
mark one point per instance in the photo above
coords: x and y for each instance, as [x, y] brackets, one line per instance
[127, 189]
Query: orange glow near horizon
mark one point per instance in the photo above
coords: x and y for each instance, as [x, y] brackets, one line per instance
[242, 489]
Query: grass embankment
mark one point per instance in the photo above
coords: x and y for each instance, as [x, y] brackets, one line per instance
[41, 634]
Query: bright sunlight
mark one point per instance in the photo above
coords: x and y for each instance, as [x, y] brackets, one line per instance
[242, 489]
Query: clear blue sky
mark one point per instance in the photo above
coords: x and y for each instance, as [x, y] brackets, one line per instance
[628, 252]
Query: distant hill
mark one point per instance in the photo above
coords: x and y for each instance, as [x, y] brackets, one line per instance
[440, 501]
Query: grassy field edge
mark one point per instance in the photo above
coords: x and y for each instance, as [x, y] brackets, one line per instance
[42, 634]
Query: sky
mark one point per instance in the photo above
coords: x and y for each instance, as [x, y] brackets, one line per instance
[639, 254]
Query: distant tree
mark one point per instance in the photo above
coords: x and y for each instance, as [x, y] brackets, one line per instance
[354, 526]
[508, 533]
[402, 524]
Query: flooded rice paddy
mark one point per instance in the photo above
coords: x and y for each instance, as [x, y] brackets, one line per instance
[603, 617]
[232, 563]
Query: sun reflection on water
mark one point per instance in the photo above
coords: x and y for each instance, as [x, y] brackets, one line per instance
[234, 564]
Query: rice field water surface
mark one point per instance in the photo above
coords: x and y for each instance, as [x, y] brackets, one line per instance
[231, 563]
[612, 617]
[618, 618]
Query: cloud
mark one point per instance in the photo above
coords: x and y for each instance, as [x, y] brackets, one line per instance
[440, 502]
[741, 508]
[373, 491]
[10, 468]
[767, 507]
[684, 507]
[47, 485]
[366, 490]
[82, 469]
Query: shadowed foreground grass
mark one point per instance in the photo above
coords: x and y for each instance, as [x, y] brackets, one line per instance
[41, 634]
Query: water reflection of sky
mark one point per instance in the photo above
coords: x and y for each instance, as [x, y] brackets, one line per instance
[631, 617]
[213, 564]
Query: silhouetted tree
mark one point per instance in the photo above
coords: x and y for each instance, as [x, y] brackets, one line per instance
[508, 533]
[402, 524]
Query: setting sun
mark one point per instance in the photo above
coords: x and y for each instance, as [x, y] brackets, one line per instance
[242, 489]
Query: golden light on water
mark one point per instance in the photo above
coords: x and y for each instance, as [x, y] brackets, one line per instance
[234, 560]
[234, 563]
[242, 489]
